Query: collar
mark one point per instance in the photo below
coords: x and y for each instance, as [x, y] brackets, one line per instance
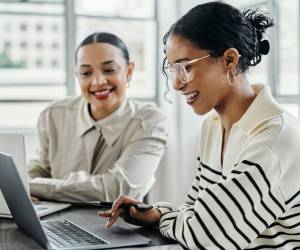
[111, 126]
[263, 108]
[84, 122]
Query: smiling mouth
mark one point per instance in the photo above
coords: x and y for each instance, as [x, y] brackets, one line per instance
[102, 94]
[190, 97]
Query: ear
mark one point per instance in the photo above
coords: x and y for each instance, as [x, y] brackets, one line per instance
[231, 58]
[76, 73]
[130, 69]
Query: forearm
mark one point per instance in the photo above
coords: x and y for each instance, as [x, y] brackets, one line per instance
[38, 169]
[80, 186]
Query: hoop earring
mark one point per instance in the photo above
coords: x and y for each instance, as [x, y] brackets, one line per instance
[229, 76]
[127, 85]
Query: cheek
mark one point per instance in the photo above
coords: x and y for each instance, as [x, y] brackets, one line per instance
[84, 85]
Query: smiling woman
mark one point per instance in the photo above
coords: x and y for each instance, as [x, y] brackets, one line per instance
[103, 71]
[102, 144]
[246, 191]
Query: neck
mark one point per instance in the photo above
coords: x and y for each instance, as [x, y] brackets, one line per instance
[99, 114]
[236, 103]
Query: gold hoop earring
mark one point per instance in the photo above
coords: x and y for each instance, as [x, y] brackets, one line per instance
[230, 75]
[127, 85]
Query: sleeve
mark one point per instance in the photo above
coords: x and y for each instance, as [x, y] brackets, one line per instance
[40, 166]
[231, 213]
[131, 175]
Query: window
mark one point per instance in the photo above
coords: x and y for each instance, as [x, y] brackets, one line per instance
[39, 27]
[38, 40]
[288, 47]
[55, 45]
[280, 69]
[23, 45]
[39, 45]
[23, 27]
[55, 27]
[54, 63]
[116, 16]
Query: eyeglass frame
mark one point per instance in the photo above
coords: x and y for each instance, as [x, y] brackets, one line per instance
[178, 70]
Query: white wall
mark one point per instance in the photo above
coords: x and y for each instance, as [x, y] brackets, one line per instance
[177, 169]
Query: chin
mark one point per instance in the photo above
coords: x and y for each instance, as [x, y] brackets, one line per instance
[200, 111]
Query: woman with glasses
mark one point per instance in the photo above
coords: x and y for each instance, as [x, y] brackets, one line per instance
[99, 145]
[246, 192]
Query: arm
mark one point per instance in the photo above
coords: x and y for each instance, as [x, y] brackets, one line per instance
[134, 168]
[232, 213]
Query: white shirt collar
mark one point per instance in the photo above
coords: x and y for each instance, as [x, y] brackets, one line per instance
[264, 107]
[111, 126]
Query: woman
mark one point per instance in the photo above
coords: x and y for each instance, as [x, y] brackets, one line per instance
[246, 193]
[99, 145]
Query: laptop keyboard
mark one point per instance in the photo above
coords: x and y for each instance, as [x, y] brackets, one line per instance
[66, 234]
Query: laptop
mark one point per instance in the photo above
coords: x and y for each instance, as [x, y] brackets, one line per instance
[57, 234]
[13, 144]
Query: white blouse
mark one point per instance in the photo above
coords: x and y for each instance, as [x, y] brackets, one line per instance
[135, 140]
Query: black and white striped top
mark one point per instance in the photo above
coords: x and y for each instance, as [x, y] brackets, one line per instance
[252, 200]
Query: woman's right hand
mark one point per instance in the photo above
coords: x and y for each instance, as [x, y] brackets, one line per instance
[148, 218]
[34, 199]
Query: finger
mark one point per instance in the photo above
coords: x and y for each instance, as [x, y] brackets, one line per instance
[34, 199]
[104, 213]
[133, 212]
[117, 203]
[113, 218]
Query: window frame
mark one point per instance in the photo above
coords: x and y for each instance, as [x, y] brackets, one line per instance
[273, 63]
[70, 21]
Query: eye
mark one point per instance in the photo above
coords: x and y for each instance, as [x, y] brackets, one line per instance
[85, 73]
[110, 70]
[188, 67]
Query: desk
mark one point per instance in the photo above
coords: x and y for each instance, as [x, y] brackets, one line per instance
[11, 238]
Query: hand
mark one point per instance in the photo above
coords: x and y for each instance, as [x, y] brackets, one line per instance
[147, 218]
[34, 199]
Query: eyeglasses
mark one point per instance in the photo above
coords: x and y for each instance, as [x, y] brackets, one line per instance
[179, 70]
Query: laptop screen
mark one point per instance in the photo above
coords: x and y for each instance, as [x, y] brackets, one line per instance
[13, 144]
[19, 201]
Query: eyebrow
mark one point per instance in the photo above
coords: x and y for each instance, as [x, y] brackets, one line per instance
[104, 63]
[182, 59]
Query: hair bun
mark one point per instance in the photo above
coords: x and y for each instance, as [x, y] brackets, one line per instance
[264, 47]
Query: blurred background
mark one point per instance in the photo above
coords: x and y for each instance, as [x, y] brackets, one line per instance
[37, 43]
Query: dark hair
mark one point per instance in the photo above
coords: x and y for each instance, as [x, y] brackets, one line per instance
[217, 26]
[103, 37]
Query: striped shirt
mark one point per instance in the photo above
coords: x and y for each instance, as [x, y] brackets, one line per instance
[252, 200]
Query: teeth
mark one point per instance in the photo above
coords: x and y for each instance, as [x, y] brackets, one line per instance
[190, 95]
[102, 92]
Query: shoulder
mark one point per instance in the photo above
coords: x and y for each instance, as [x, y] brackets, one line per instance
[62, 110]
[147, 112]
[286, 145]
[148, 120]
[282, 131]
[66, 104]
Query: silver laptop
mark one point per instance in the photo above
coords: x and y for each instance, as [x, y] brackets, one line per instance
[57, 234]
[13, 144]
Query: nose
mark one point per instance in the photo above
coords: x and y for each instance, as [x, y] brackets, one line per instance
[178, 85]
[99, 79]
